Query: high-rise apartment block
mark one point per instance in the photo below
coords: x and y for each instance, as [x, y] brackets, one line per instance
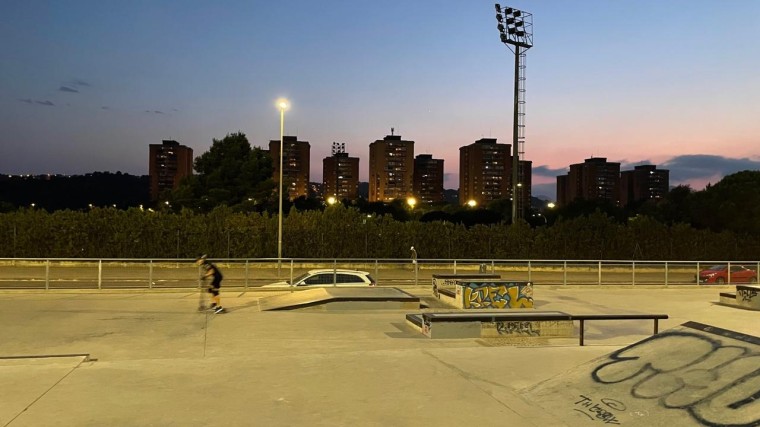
[340, 174]
[391, 169]
[644, 182]
[428, 179]
[485, 171]
[525, 187]
[594, 179]
[169, 162]
[295, 165]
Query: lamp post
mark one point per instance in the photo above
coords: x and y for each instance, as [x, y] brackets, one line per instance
[516, 32]
[283, 105]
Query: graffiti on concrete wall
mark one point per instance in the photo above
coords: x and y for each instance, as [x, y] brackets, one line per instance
[498, 294]
[718, 385]
[517, 328]
[746, 294]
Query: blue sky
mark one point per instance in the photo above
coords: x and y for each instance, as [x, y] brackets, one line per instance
[87, 85]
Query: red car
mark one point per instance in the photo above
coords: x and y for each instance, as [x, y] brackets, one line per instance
[718, 274]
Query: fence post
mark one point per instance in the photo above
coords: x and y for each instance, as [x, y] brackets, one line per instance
[100, 274]
[666, 274]
[529, 271]
[150, 274]
[47, 274]
[291, 271]
[633, 273]
[564, 273]
[600, 273]
[377, 275]
[246, 275]
[728, 273]
[455, 266]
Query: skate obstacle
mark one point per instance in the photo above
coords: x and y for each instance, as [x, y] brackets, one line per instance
[746, 296]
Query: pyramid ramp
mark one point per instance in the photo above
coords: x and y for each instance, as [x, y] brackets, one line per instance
[691, 375]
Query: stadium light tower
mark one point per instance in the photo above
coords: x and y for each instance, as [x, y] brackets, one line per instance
[516, 32]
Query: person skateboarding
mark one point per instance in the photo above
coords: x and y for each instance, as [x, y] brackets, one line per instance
[212, 271]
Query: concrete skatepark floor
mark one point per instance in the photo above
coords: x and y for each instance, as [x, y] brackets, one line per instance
[155, 360]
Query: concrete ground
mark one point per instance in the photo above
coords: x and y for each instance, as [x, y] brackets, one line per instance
[151, 359]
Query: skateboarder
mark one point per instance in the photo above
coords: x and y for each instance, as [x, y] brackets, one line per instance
[212, 271]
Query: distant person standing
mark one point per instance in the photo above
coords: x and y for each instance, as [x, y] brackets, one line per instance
[211, 270]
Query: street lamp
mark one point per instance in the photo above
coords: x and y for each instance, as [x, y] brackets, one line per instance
[283, 105]
[412, 202]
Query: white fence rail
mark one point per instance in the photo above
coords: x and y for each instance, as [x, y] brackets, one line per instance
[77, 273]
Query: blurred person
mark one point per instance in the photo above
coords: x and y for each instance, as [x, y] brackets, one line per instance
[212, 271]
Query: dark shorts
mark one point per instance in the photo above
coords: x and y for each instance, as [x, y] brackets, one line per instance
[213, 288]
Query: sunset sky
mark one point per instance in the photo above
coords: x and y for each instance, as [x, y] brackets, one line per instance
[86, 85]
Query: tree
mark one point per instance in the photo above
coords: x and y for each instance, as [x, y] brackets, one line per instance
[231, 173]
[731, 204]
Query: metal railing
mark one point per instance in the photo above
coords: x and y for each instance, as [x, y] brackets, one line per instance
[77, 273]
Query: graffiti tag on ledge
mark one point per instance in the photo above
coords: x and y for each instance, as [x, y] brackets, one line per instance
[601, 411]
[747, 294]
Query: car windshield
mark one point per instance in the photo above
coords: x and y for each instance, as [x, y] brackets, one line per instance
[717, 268]
[298, 279]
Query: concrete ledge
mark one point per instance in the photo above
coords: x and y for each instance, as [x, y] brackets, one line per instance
[495, 324]
[746, 297]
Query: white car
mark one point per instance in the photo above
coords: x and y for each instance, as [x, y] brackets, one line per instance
[328, 277]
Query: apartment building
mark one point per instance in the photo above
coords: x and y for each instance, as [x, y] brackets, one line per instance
[295, 169]
[594, 179]
[340, 174]
[428, 179]
[391, 169]
[168, 163]
[643, 183]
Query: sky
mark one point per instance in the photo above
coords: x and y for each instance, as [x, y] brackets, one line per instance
[87, 85]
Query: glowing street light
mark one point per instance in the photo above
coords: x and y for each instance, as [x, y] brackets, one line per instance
[412, 202]
[283, 105]
[331, 200]
[472, 203]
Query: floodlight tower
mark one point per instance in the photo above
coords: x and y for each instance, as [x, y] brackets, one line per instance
[516, 32]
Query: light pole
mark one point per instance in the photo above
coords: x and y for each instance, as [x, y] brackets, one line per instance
[283, 105]
[516, 32]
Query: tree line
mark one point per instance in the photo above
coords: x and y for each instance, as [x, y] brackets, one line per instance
[229, 210]
[346, 232]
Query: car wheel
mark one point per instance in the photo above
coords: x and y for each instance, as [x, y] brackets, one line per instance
[753, 280]
[720, 280]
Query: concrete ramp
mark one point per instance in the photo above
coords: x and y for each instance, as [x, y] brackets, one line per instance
[691, 375]
[26, 379]
[343, 298]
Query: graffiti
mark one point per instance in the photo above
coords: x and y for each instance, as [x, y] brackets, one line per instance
[516, 328]
[718, 385]
[425, 326]
[498, 295]
[593, 410]
[747, 294]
